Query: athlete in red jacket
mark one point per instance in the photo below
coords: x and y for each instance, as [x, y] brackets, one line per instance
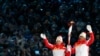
[81, 47]
[58, 49]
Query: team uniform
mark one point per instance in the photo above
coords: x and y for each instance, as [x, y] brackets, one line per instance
[81, 47]
[57, 50]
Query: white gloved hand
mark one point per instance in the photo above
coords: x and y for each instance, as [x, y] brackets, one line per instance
[43, 36]
[69, 48]
[89, 28]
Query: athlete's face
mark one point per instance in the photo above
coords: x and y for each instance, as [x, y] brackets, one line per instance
[58, 42]
[82, 38]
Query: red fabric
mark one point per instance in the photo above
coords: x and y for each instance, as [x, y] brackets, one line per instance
[79, 42]
[68, 54]
[55, 46]
[91, 40]
[47, 44]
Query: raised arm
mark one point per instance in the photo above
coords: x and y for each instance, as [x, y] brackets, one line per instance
[46, 42]
[91, 39]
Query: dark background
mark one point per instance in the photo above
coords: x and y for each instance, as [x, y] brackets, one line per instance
[22, 21]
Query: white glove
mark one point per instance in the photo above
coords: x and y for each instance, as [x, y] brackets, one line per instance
[89, 28]
[69, 48]
[43, 36]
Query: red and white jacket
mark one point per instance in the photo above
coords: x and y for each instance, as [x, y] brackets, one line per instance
[81, 48]
[57, 50]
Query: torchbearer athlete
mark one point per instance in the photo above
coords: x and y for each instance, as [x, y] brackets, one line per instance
[58, 49]
[81, 47]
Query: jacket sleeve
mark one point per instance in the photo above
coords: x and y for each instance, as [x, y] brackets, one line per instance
[91, 39]
[73, 50]
[68, 53]
[47, 44]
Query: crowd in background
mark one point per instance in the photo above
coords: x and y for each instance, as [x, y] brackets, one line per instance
[22, 21]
